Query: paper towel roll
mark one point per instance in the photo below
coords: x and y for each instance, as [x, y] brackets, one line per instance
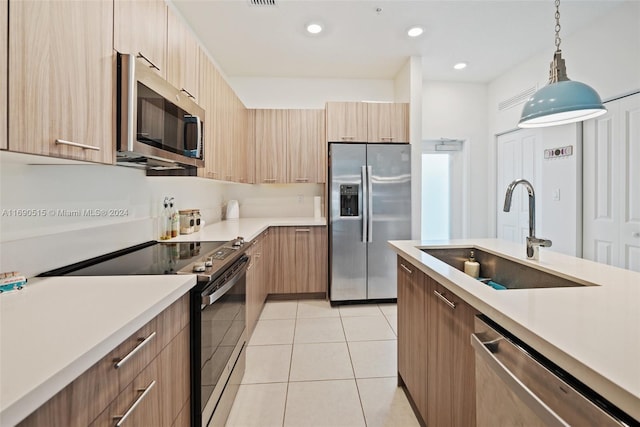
[316, 207]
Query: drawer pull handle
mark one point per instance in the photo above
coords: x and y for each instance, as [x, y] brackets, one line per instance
[302, 179]
[445, 299]
[269, 180]
[143, 342]
[145, 391]
[406, 269]
[303, 230]
[151, 64]
[77, 144]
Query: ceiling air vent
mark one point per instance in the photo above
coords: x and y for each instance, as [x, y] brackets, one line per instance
[262, 2]
[517, 99]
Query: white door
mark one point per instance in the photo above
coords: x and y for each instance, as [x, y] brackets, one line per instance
[516, 159]
[611, 213]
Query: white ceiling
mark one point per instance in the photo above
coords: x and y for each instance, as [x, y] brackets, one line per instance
[360, 42]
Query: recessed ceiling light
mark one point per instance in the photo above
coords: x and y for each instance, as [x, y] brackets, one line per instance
[314, 28]
[415, 31]
[460, 65]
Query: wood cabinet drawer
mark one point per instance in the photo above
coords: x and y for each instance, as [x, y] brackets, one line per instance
[87, 396]
[138, 404]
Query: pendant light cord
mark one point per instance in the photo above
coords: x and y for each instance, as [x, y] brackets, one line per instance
[558, 39]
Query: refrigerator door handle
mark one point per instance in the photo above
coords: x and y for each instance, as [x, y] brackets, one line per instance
[363, 180]
[369, 205]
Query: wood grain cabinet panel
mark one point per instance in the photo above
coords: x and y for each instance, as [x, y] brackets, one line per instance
[61, 85]
[435, 358]
[104, 391]
[300, 262]
[305, 140]
[451, 363]
[388, 122]
[183, 56]
[210, 81]
[4, 34]
[271, 136]
[412, 333]
[140, 28]
[346, 121]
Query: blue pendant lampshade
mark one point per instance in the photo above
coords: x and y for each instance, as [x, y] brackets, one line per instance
[562, 101]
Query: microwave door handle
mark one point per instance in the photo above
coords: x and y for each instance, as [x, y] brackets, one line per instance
[199, 144]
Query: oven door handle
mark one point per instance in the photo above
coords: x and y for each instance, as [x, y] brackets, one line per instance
[209, 297]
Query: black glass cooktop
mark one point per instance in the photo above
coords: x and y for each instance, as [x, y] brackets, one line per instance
[151, 258]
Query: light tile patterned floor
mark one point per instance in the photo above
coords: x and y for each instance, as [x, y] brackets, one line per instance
[310, 364]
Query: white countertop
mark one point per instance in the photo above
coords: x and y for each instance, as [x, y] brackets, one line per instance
[56, 328]
[592, 332]
[249, 228]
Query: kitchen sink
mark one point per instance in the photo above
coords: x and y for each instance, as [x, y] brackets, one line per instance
[510, 274]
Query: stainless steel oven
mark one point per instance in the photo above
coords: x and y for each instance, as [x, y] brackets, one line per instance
[217, 307]
[218, 343]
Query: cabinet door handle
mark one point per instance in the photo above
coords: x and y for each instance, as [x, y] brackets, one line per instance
[303, 230]
[188, 93]
[229, 177]
[151, 64]
[347, 138]
[390, 138]
[302, 179]
[145, 391]
[77, 144]
[269, 180]
[404, 267]
[143, 342]
[445, 299]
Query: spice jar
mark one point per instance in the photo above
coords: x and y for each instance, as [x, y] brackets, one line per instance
[196, 217]
[187, 221]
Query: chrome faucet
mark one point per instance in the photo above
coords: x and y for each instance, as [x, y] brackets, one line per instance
[533, 243]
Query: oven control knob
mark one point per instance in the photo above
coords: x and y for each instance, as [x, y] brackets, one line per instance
[209, 262]
[199, 267]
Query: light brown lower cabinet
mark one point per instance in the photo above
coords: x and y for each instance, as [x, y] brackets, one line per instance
[299, 260]
[156, 375]
[256, 280]
[435, 359]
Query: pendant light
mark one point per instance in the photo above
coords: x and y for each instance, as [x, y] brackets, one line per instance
[562, 100]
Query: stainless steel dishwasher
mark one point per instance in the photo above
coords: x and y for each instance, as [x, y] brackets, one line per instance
[516, 386]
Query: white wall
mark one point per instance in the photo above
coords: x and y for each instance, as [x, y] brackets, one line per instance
[605, 55]
[275, 200]
[33, 244]
[458, 111]
[265, 92]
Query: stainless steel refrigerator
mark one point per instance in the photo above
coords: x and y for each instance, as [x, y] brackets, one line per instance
[370, 203]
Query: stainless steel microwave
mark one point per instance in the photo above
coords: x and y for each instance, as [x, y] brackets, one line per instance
[158, 127]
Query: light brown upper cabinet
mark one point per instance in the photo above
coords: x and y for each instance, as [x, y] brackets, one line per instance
[305, 142]
[4, 24]
[183, 56]
[61, 79]
[347, 121]
[140, 28]
[226, 127]
[271, 147]
[388, 122]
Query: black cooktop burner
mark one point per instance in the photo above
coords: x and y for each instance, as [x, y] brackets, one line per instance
[151, 258]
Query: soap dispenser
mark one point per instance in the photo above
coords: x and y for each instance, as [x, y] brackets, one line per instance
[472, 267]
